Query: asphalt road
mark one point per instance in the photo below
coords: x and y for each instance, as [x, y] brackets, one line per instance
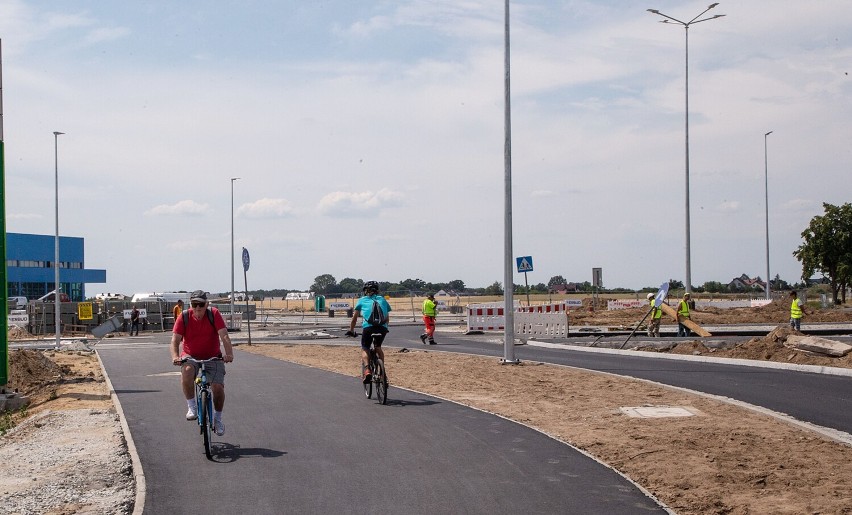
[821, 399]
[308, 441]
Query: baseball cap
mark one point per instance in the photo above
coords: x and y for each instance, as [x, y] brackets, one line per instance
[198, 295]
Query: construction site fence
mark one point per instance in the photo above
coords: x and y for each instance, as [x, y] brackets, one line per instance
[157, 316]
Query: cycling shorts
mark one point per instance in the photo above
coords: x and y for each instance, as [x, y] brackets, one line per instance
[367, 336]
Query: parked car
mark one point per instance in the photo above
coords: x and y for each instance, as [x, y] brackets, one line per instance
[51, 297]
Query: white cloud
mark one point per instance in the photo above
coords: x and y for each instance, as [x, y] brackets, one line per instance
[266, 208]
[366, 203]
[184, 207]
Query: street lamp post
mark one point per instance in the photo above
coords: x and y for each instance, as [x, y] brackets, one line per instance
[56, 295]
[232, 248]
[766, 178]
[686, 25]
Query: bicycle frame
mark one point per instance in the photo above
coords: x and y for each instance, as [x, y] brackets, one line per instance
[377, 371]
[204, 403]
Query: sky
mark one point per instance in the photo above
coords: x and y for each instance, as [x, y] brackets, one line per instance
[368, 137]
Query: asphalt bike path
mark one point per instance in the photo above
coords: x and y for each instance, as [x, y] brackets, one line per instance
[821, 399]
[305, 440]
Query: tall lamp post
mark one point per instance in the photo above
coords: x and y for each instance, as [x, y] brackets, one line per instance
[56, 295]
[232, 248]
[685, 25]
[766, 178]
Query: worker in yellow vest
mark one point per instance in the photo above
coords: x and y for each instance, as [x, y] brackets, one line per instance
[430, 311]
[656, 317]
[797, 311]
[683, 314]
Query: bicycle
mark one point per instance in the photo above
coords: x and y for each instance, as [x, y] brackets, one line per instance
[378, 373]
[203, 402]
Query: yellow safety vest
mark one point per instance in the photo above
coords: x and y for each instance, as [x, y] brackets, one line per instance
[683, 309]
[795, 310]
[658, 313]
[429, 308]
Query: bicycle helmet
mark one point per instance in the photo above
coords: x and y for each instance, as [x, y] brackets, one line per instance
[371, 286]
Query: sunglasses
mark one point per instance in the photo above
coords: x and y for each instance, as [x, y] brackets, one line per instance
[198, 304]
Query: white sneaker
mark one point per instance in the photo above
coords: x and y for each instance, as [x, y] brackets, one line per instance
[191, 414]
[219, 427]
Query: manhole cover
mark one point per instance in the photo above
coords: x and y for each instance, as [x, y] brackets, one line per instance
[659, 411]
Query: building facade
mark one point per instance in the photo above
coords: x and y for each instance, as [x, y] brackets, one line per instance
[30, 267]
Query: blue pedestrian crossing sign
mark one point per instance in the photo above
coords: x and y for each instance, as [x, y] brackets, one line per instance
[524, 264]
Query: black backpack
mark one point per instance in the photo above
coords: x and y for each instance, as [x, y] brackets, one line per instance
[186, 320]
[377, 315]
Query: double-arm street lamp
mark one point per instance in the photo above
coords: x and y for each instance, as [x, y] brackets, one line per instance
[766, 177]
[685, 25]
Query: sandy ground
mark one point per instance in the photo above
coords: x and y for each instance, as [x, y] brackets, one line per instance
[724, 459]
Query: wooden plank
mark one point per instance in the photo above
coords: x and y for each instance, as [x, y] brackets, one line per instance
[695, 328]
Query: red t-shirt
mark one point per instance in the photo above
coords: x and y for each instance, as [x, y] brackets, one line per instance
[200, 339]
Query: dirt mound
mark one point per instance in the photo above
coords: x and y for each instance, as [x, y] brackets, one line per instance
[31, 371]
[766, 348]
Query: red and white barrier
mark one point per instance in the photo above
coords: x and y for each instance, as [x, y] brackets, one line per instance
[481, 318]
[550, 320]
[544, 320]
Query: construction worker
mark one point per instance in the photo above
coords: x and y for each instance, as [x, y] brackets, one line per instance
[430, 311]
[656, 317]
[797, 311]
[683, 314]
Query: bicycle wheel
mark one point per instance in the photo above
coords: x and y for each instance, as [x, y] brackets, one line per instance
[205, 418]
[368, 386]
[381, 380]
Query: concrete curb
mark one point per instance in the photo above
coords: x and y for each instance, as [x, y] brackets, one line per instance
[138, 473]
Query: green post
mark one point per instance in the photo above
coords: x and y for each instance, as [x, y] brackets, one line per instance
[4, 325]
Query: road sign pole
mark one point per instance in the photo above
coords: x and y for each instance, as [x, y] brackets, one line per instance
[246, 262]
[527, 285]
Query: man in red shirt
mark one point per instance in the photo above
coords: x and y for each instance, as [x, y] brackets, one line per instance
[200, 329]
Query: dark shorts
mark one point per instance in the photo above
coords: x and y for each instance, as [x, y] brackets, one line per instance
[367, 336]
[215, 371]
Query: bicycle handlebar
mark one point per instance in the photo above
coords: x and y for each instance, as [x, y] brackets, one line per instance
[200, 361]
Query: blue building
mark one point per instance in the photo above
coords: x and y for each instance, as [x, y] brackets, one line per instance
[30, 266]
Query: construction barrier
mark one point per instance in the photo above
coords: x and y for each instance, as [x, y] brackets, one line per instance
[544, 320]
[481, 318]
[549, 320]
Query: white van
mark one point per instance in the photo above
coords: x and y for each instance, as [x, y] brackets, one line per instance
[17, 302]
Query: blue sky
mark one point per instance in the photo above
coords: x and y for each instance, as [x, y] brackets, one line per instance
[368, 137]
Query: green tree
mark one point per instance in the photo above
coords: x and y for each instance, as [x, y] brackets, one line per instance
[827, 248]
[350, 285]
[323, 283]
[715, 287]
[413, 284]
[495, 289]
[556, 280]
[456, 285]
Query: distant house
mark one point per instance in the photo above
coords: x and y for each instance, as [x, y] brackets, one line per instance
[442, 293]
[817, 280]
[746, 283]
[563, 288]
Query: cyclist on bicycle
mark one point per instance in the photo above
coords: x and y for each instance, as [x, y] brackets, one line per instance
[364, 308]
[200, 329]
